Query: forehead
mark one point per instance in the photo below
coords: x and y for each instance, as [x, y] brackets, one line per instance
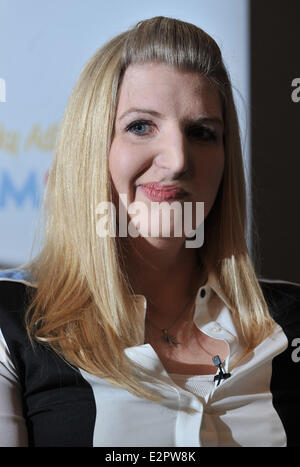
[164, 86]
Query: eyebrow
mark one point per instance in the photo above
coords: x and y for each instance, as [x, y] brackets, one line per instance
[200, 119]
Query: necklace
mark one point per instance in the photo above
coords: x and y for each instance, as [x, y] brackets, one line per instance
[171, 340]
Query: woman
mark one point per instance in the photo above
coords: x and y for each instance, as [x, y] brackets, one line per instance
[139, 340]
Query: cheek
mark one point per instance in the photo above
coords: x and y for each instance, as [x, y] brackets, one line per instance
[209, 175]
[217, 169]
[125, 165]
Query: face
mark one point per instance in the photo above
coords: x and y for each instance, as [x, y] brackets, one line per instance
[168, 130]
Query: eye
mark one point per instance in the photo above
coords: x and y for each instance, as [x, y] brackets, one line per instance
[203, 133]
[139, 127]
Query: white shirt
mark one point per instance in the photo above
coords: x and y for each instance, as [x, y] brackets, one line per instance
[199, 385]
[194, 412]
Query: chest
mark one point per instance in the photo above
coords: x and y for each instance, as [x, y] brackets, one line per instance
[188, 351]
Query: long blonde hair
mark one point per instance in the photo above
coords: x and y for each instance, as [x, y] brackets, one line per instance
[83, 306]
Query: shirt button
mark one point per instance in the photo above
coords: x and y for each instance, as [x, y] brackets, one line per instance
[216, 329]
[202, 293]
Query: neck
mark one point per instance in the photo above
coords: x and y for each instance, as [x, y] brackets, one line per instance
[167, 275]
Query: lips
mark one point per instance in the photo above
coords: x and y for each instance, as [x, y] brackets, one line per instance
[158, 192]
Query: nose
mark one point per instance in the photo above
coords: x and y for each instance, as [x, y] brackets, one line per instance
[175, 154]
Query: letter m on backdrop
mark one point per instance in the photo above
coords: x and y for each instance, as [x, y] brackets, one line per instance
[9, 191]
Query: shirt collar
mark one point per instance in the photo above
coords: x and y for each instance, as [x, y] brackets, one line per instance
[212, 312]
[212, 316]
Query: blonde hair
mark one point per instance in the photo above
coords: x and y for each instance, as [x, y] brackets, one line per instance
[83, 306]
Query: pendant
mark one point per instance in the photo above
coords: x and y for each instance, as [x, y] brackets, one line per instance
[169, 339]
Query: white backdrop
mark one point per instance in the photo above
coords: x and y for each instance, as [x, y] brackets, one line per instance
[43, 47]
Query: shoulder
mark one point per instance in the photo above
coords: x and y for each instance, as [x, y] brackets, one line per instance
[16, 291]
[15, 288]
[283, 300]
[16, 276]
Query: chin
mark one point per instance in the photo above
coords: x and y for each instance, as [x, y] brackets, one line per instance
[163, 243]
